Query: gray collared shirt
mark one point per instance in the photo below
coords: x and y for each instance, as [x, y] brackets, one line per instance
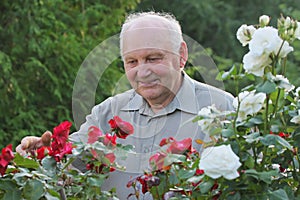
[175, 120]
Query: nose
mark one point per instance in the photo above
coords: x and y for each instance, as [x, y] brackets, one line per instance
[143, 70]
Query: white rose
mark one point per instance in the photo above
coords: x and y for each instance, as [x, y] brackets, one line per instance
[297, 31]
[287, 22]
[244, 34]
[220, 161]
[206, 125]
[250, 103]
[265, 40]
[283, 83]
[285, 49]
[255, 64]
[296, 119]
[264, 20]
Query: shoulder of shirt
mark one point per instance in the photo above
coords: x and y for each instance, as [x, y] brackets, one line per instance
[203, 88]
[119, 100]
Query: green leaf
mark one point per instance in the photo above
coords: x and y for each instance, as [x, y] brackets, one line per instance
[49, 164]
[206, 186]
[195, 179]
[283, 142]
[33, 189]
[266, 87]
[25, 162]
[185, 174]
[11, 190]
[252, 137]
[96, 181]
[227, 132]
[272, 139]
[173, 158]
[49, 196]
[278, 195]
[265, 176]
[250, 162]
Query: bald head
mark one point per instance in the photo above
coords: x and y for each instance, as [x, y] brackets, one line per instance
[150, 30]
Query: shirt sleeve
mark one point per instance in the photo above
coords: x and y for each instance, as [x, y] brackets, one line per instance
[99, 117]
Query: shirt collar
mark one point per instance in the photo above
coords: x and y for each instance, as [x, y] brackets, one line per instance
[184, 100]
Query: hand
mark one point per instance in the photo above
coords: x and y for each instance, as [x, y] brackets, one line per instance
[31, 143]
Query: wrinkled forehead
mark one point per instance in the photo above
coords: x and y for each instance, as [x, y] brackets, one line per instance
[149, 38]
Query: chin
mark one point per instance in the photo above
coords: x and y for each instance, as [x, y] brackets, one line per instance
[149, 94]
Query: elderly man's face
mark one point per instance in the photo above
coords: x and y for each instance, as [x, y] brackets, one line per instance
[155, 74]
[152, 64]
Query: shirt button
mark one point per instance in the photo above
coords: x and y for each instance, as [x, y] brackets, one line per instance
[146, 150]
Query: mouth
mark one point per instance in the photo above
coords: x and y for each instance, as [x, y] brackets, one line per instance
[147, 84]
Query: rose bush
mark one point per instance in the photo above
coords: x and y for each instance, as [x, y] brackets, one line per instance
[46, 171]
[254, 149]
[253, 152]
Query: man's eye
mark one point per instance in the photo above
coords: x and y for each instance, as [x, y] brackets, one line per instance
[154, 59]
[130, 62]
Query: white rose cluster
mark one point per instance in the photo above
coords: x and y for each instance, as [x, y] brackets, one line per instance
[211, 118]
[250, 103]
[220, 161]
[264, 43]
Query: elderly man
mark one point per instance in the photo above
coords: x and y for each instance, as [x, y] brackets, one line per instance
[163, 100]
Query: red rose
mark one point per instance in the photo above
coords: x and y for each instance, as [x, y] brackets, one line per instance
[157, 161]
[110, 140]
[281, 134]
[61, 132]
[113, 124]
[6, 156]
[165, 141]
[179, 147]
[93, 134]
[42, 152]
[120, 127]
[199, 172]
[7, 153]
[111, 157]
[60, 146]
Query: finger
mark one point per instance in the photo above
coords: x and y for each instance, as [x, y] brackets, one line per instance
[30, 142]
[46, 138]
[20, 150]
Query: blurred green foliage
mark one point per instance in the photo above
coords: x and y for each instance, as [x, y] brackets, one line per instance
[44, 43]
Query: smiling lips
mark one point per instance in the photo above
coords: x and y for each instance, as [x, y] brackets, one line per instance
[147, 84]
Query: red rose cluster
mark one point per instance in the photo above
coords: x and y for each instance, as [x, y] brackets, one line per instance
[60, 145]
[120, 129]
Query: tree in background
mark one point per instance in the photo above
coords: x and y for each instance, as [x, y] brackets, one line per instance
[43, 43]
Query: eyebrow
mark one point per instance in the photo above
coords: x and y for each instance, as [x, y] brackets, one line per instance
[160, 54]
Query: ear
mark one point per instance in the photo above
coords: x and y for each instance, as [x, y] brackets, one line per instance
[183, 54]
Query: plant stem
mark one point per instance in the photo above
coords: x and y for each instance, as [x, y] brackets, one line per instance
[255, 156]
[266, 124]
[157, 192]
[276, 105]
[62, 194]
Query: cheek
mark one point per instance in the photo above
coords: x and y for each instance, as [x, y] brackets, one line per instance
[130, 74]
